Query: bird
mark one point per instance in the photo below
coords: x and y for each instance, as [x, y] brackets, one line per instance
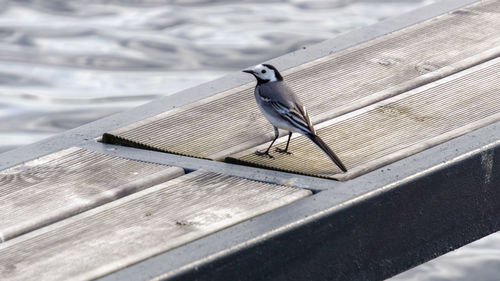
[283, 109]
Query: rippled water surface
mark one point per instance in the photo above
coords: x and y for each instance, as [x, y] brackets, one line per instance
[66, 63]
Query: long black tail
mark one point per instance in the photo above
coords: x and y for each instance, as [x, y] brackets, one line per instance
[322, 145]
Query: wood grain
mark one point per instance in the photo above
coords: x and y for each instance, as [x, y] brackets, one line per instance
[395, 128]
[68, 182]
[336, 84]
[139, 226]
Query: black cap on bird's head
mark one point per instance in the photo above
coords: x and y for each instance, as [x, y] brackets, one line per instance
[265, 73]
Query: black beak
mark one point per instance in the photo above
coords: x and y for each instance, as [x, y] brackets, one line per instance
[248, 71]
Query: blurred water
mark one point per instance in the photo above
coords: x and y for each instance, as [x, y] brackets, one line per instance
[66, 63]
[479, 261]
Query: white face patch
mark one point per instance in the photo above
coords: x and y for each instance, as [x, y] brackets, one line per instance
[264, 73]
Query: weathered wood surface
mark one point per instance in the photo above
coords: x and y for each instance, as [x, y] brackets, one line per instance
[395, 128]
[342, 82]
[139, 226]
[65, 183]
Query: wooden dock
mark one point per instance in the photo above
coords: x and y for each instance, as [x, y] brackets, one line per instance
[173, 191]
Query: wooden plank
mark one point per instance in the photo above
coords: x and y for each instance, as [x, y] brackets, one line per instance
[342, 82]
[395, 128]
[65, 183]
[139, 226]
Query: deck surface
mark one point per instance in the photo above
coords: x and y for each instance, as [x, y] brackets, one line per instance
[68, 182]
[392, 129]
[139, 226]
[230, 122]
[80, 214]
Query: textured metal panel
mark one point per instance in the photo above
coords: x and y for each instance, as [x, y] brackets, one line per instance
[336, 84]
[139, 226]
[66, 183]
[394, 128]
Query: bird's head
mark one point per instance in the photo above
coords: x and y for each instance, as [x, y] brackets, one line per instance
[265, 73]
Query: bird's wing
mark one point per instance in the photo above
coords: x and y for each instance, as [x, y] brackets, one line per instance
[303, 110]
[290, 109]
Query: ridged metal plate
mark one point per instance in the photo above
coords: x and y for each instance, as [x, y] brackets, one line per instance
[394, 128]
[336, 84]
[139, 226]
[66, 183]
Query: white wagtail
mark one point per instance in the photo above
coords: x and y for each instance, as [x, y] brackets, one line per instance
[282, 108]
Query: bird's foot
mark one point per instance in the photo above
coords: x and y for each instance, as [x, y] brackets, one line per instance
[284, 151]
[265, 153]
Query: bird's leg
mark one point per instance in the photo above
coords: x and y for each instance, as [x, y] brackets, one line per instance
[266, 153]
[287, 143]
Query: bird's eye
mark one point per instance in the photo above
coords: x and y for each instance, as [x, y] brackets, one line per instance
[263, 71]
